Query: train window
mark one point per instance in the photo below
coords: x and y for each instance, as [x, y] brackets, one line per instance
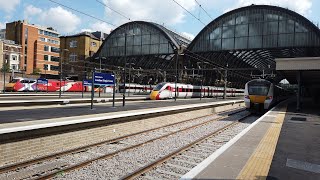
[258, 90]
[14, 80]
[158, 87]
[24, 81]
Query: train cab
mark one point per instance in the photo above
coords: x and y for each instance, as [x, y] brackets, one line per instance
[162, 89]
[259, 94]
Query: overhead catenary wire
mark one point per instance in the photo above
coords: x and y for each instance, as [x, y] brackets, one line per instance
[189, 12]
[203, 9]
[86, 14]
[82, 13]
[118, 12]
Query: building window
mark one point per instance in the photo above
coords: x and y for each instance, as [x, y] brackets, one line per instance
[14, 57]
[93, 44]
[14, 67]
[45, 67]
[46, 48]
[73, 57]
[73, 44]
[55, 59]
[55, 49]
[40, 31]
[54, 68]
[46, 57]
[42, 39]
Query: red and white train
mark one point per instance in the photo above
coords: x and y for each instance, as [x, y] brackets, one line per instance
[136, 88]
[166, 90]
[28, 84]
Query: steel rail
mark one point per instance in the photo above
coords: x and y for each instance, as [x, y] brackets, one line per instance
[150, 166]
[85, 163]
[24, 164]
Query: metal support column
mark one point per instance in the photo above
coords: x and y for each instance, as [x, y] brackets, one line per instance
[201, 80]
[124, 76]
[4, 68]
[60, 77]
[114, 90]
[176, 79]
[299, 90]
[92, 88]
[225, 85]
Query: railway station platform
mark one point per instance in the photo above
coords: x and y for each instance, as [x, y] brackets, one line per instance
[282, 144]
[42, 133]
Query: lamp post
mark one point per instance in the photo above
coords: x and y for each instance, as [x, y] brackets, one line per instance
[45, 76]
[130, 76]
[100, 67]
[64, 50]
[124, 71]
[225, 83]
[4, 69]
[176, 76]
[192, 75]
[201, 67]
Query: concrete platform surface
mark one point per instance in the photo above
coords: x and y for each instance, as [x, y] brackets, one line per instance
[62, 121]
[297, 154]
[274, 147]
[42, 112]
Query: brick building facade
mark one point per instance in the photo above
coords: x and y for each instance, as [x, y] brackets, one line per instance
[77, 50]
[40, 47]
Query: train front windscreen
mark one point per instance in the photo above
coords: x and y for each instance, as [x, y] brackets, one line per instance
[259, 89]
[155, 92]
[159, 86]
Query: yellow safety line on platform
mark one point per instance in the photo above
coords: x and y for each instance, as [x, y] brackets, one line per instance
[258, 165]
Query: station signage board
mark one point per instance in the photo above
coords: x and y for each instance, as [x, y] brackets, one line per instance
[105, 79]
[42, 81]
[100, 79]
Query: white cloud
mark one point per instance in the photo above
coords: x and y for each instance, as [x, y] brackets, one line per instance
[30, 10]
[300, 6]
[188, 35]
[58, 18]
[86, 30]
[2, 25]
[8, 6]
[101, 26]
[157, 11]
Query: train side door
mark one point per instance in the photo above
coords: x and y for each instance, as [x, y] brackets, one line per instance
[168, 91]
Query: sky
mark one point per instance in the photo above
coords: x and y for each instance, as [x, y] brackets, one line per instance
[164, 12]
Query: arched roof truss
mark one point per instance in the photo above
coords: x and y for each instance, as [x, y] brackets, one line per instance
[253, 36]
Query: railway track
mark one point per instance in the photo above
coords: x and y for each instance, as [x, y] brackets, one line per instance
[58, 164]
[181, 161]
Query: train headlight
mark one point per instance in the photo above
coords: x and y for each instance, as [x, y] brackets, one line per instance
[268, 97]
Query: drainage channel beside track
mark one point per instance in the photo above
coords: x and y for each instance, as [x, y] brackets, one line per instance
[52, 165]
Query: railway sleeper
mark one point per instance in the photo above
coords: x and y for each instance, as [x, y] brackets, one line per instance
[37, 171]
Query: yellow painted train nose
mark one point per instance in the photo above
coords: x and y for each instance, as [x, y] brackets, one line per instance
[153, 95]
[257, 99]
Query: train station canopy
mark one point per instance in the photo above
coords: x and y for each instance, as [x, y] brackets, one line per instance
[239, 44]
[142, 45]
[249, 39]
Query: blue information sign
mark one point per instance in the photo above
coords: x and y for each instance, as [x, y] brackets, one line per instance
[42, 81]
[103, 79]
[87, 82]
